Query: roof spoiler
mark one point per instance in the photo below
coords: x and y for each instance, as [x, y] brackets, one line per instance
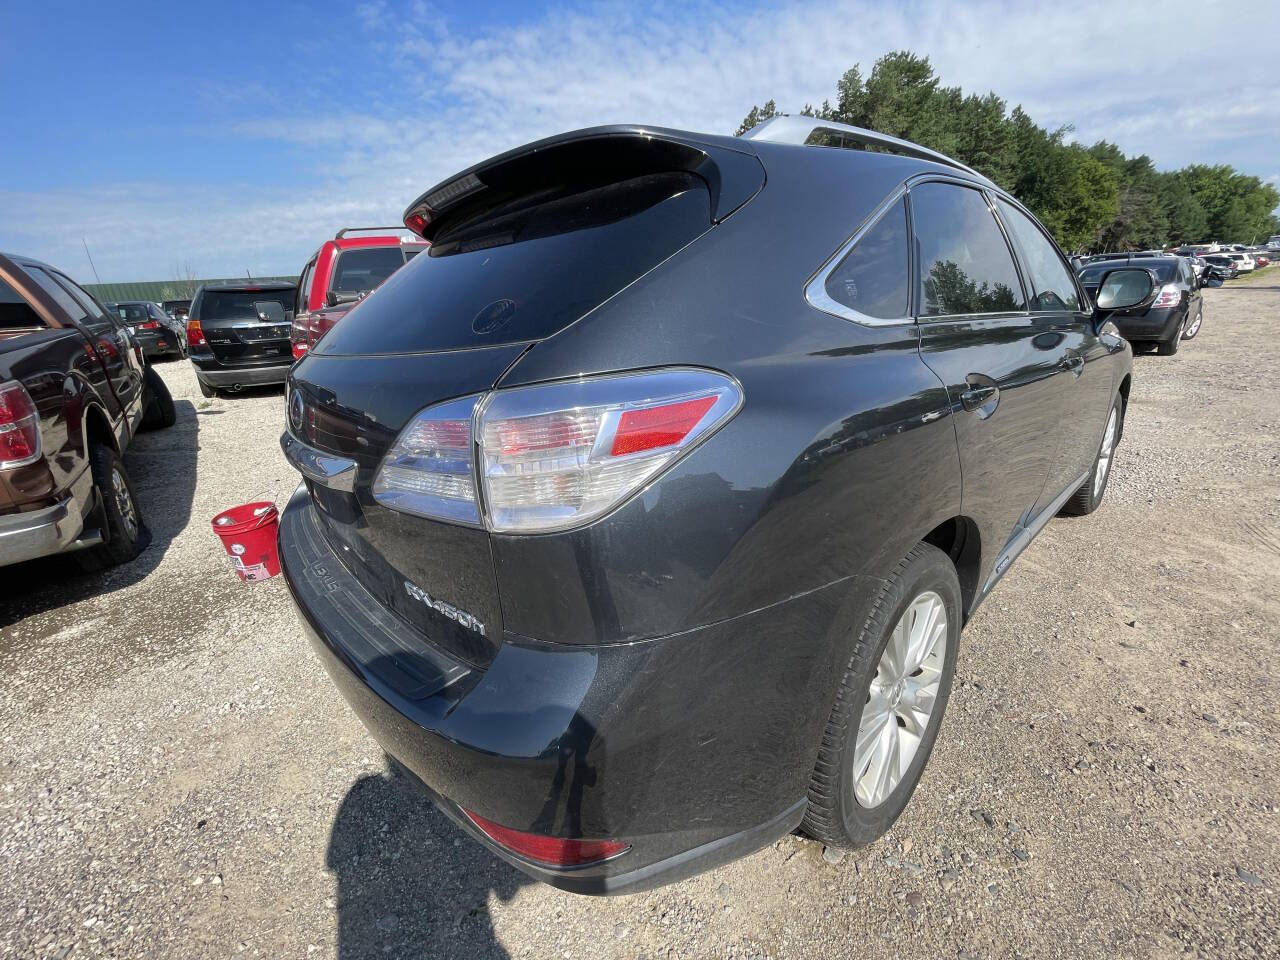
[731, 170]
[812, 131]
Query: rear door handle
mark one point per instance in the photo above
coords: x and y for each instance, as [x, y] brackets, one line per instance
[979, 396]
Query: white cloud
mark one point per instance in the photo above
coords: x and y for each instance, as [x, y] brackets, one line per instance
[1125, 72]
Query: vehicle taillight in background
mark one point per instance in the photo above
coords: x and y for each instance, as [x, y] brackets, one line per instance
[195, 336]
[19, 426]
[149, 325]
[319, 324]
[552, 456]
[1169, 296]
[548, 851]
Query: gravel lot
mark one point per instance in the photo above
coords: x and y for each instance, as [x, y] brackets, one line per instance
[178, 777]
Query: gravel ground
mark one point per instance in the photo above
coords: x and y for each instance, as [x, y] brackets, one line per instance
[178, 778]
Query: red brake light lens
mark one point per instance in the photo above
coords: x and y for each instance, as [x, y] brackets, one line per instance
[548, 851]
[195, 336]
[149, 325]
[19, 426]
[658, 426]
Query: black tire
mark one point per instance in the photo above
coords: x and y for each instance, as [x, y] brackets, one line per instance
[1089, 497]
[158, 411]
[1167, 348]
[205, 389]
[835, 816]
[122, 540]
[1194, 326]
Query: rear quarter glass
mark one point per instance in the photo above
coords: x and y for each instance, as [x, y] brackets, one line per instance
[528, 269]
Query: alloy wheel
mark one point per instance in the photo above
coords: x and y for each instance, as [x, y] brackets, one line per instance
[900, 700]
[124, 502]
[1104, 453]
[1195, 326]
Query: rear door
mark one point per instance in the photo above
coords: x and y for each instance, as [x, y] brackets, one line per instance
[999, 362]
[247, 326]
[1058, 306]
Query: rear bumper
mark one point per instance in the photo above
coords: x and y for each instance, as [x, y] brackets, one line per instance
[1153, 325]
[42, 533]
[216, 374]
[619, 742]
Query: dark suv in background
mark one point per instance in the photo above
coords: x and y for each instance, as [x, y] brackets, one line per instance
[1176, 313]
[159, 334]
[238, 335]
[633, 522]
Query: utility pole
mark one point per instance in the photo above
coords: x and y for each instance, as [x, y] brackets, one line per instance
[90, 256]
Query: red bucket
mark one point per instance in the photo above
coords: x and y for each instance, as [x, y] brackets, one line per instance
[248, 534]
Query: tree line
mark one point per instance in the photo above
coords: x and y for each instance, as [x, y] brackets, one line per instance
[1092, 198]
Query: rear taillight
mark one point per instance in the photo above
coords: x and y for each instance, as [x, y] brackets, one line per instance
[19, 426]
[1169, 296]
[195, 336]
[149, 325]
[548, 851]
[553, 456]
[298, 331]
[319, 325]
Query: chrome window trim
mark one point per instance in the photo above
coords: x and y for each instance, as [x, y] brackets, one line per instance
[815, 290]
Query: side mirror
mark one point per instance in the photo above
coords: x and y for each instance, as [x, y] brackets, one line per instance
[1124, 288]
[335, 297]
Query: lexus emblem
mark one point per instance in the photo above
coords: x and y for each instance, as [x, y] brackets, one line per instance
[495, 315]
[295, 410]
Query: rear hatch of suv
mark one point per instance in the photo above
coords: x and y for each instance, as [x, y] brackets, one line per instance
[246, 325]
[521, 247]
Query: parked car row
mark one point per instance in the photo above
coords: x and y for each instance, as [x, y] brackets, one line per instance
[249, 334]
[638, 550]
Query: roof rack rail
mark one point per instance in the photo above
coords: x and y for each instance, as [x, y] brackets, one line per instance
[345, 230]
[800, 130]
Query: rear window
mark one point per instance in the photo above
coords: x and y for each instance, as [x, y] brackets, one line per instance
[241, 304]
[527, 268]
[132, 313]
[15, 312]
[365, 268]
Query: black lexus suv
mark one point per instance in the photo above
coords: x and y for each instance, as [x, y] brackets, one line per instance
[632, 522]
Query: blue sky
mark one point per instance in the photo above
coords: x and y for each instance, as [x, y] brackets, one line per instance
[236, 136]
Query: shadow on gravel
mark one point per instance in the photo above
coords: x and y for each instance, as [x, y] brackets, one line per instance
[162, 470]
[410, 882]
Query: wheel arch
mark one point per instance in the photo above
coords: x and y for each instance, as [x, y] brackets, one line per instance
[959, 538]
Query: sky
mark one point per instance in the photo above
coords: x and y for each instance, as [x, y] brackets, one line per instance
[212, 140]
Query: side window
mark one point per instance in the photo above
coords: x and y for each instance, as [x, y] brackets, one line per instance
[15, 312]
[1050, 280]
[95, 315]
[66, 303]
[304, 286]
[872, 278]
[964, 262]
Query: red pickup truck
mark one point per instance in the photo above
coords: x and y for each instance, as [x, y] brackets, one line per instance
[74, 389]
[341, 272]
